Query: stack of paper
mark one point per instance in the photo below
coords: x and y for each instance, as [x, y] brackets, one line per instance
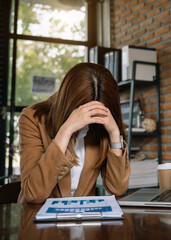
[143, 173]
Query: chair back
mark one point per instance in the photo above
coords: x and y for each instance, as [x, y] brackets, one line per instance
[9, 192]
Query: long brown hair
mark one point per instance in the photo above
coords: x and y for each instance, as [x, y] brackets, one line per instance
[82, 83]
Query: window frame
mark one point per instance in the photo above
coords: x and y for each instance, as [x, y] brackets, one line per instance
[12, 108]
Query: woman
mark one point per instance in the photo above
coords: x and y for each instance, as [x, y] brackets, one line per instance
[67, 140]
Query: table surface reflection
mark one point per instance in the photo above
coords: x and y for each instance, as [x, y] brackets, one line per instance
[16, 222]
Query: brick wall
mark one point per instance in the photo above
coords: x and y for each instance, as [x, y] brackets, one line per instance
[148, 23]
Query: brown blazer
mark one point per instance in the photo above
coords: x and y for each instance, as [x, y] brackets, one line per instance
[45, 170]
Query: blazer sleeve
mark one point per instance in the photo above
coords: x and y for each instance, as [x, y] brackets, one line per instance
[115, 172]
[41, 168]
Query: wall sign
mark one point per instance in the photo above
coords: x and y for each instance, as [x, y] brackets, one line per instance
[41, 84]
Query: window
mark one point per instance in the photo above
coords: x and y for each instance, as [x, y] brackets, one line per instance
[46, 38]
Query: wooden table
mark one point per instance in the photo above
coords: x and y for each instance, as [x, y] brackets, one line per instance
[16, 222]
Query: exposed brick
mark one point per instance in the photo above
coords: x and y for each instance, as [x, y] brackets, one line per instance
[133, 16]
[164, 148]
[167, 66]
[149, 1]
[166, 106]
[154, 26]
[139, 19]
[161, 99]
[147, 22]
[138, 7]
[167, 6]
[165, 74]
[167, 98]
[135, 42]
[159, 3]
[133, 29]
[161, 16]
[153, 13]
[132, 4]
[139, 33]
[162, 31]
[116, 31]
[168, 114]
[166, 21]
[150, 115]
[163, 130]
[160, 46]
[167, 51]
[145, 148]
[120, 36]
[123, 3]
[166, 82]
[115, 20]
[149, 101]
[166, 156]
[149, 108]
[120, 23]
[169, 148]
[118, 12]
[154, 148]
[126, 39]
[117, 44]
[166, 139]
[126, 13]
[126, 26]
[163, 59]
[149, 93]
[165, 123]
[147, 36]
[166, 36]
[154, 41]
[146, 9]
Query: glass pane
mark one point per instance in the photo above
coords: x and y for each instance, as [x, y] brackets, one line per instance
[12, 18]
[11, 43]
[42, 60]
[58, 19]
[15, 146]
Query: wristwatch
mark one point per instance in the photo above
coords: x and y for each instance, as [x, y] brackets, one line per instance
[117, 144]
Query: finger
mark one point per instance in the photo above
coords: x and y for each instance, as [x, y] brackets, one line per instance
[98, 112]
[96, 106]
[92, 104]
[98, 120]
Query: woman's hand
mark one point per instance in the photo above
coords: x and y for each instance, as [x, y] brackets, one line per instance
[91, 112]
[112, 127]
[113, 130]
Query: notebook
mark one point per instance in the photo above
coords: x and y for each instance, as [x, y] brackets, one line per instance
[148, 197]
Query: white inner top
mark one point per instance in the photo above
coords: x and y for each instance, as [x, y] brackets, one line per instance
[80, 152]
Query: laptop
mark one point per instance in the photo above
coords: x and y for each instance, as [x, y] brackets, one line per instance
[148, 197]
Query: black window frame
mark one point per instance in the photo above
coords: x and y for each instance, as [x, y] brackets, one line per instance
[6, 37]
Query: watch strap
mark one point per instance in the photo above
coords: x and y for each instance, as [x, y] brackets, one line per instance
[117, 145]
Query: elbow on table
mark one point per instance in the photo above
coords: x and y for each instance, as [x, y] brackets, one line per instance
[34, 199]
[118, 188]
[34, 196]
